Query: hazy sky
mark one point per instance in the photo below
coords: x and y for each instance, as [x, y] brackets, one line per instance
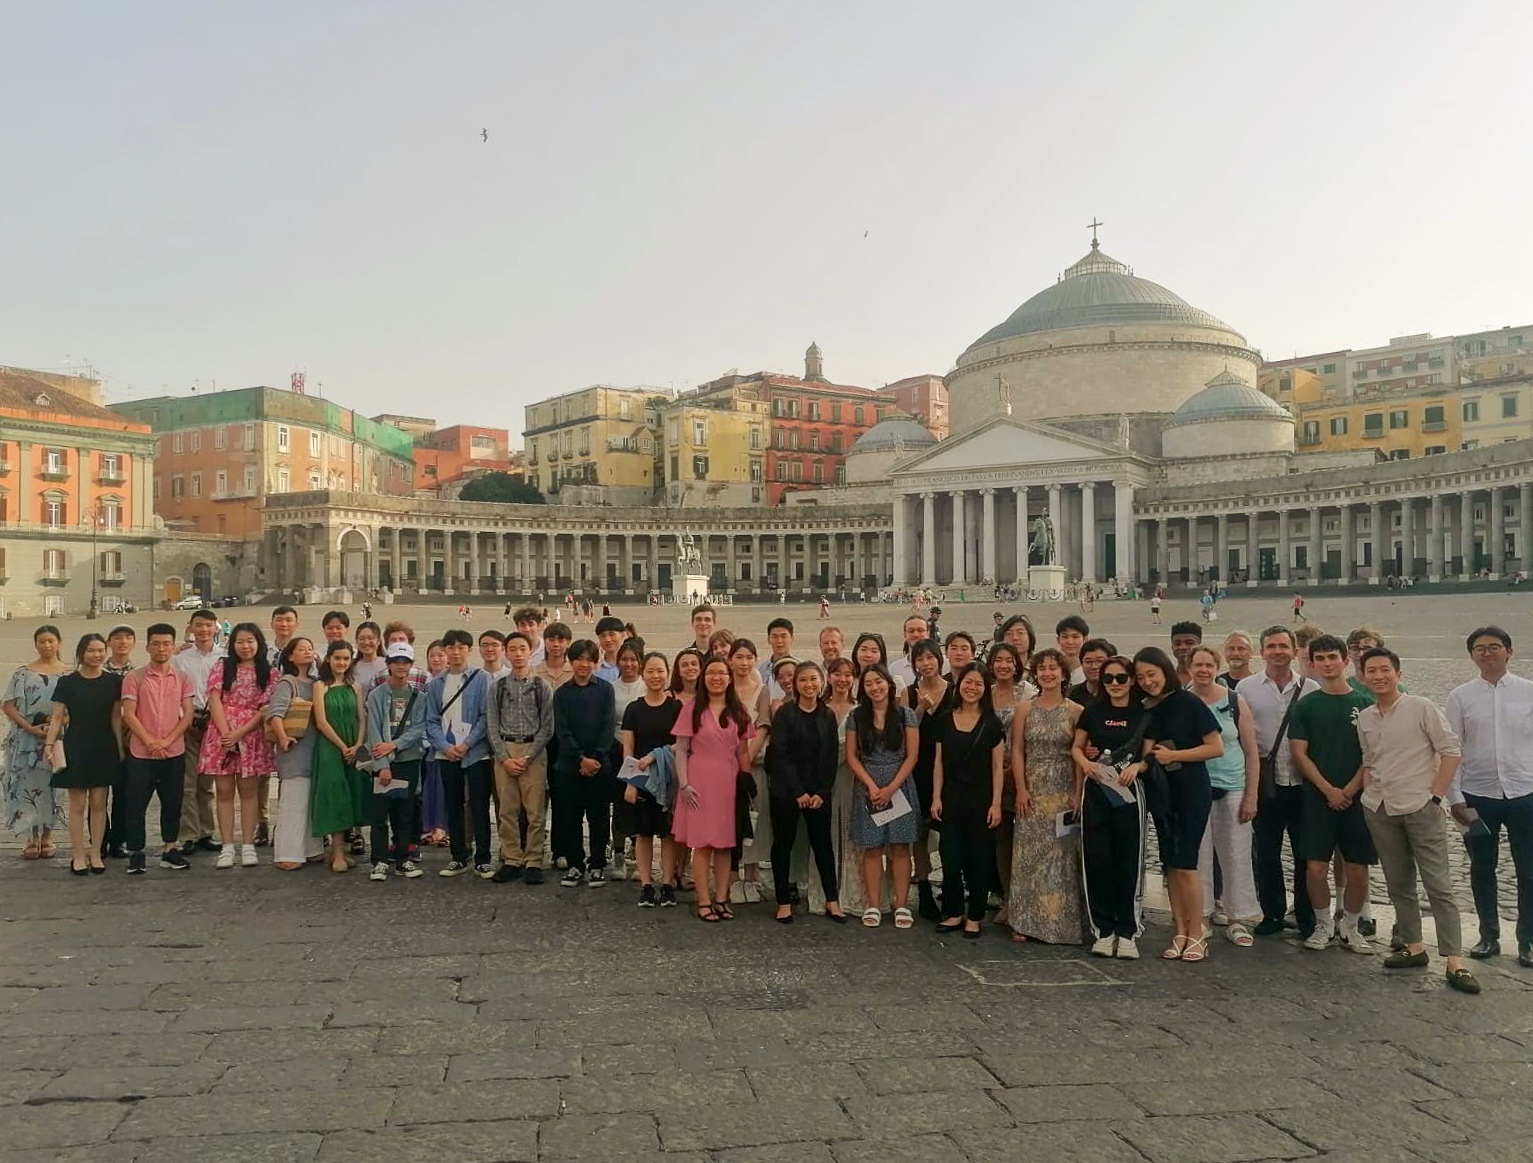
[225, 192]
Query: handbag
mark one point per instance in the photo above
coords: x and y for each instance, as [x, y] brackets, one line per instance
[1267, 781]
[299, 715]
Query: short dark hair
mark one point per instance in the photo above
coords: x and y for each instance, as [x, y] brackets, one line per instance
[1327, 644]
[965, 635]
[1270, 631]
[558, 630]
[1495, 632]
[457, 638]
[780, 624]
[1072, 622]
[336, 616]
[1161, 661]
[1098, 646]
[609, 624]
[495, 634]
[1186, 628]
[203, 615]
[518, 636]
[584, 648]
[701, 608]
[529, 614]
[280, 610]
[1379, 652]
[160, 628]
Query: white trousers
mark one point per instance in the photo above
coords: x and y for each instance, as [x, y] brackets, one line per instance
[1227, 837]
[291, 842]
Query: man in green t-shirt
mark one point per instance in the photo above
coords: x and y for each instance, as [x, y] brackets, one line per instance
[1329, 755]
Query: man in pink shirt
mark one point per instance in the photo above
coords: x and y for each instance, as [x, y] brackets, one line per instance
[157, 709]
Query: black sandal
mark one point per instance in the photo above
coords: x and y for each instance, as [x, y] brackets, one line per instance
[708, 913]
[724, 911]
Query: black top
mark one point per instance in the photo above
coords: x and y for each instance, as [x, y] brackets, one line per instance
[651, 726]
[966, 759]
[926, 729]
[1109, 729]
[802, 753]
[1080, 694]
[583, 723]
[90, 745]
[1180, 720]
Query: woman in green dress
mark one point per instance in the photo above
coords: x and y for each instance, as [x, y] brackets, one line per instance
[338, 794]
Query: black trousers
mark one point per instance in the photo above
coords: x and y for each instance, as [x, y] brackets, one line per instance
[967, 847]
[556, 839]
[1516, 815]
[146, 778]
[476, 778]
[583, 799]
[117, 814]
[785, 817]
[395, 814]
[1112, 859]
[1276, 817]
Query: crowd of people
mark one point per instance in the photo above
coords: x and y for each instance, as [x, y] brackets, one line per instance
[1032, 769]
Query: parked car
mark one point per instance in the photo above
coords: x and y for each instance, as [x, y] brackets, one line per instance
[190, 602]
[226, 601]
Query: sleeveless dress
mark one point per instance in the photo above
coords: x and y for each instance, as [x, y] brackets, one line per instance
[1046, 901]
[31, 803]
[339, 794]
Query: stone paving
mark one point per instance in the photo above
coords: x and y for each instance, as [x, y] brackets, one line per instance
[251, 1016]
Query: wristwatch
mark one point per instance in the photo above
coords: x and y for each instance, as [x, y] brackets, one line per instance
[1437, 800]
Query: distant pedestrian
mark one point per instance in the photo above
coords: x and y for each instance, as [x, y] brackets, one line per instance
[1298, 608]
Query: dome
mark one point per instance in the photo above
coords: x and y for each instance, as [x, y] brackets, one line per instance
[1227, 397]
[1099, 291]
[896, 431]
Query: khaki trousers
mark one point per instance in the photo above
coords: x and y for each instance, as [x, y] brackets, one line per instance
[197, 819]
[1406, 844]
[515, 794]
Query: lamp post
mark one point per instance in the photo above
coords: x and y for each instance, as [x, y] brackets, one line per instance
[94, 517]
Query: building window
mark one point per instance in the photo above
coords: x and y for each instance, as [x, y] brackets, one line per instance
[835, 413]
[1400, 418]
[220, 437]
[1436, 449]
[196, 439]
[699, 433]
[250, 438]
[777, 408]
[284, 438]
[1311, 432]
[55, 511]
[220, 483]
[156, 488]
[1399, 454]
[819, 470]
[700, 468]
[532, 452]
[841, 474]
[1466, 445]
[1471, 411]
[177, 487]
[814, 442]
[793, 439]
[111, 466]
[782, 470]
[1338, 425]
[755, 443]
[756, 470]
[196, 484]
[814, 409]
[857, 415]
[622, 408]
[1508, 407]
[178, 442]
[1432, 419]
[314, 444]
[797, 470]
[483, 447]
[1373, 424]
[1330, 369]
[585, 441]
[745, 566]
[313, 480]
[282, 480]
[111, 563]
[54, 564]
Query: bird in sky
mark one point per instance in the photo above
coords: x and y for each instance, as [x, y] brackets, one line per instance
[864, 234]
[484, 134]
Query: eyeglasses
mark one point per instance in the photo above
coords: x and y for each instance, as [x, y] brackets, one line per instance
[1488, 648]
[1116, 679]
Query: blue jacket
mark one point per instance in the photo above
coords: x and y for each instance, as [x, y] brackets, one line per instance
[661, 782]
[412, 732]
[471, 704]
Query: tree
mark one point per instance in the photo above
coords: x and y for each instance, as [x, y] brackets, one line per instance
[501, 488]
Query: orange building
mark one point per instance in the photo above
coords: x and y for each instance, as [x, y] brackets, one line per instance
[444, 459]
[925, 398]
[75, 504]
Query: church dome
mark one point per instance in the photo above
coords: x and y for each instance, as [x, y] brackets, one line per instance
[1099, 291]
[896, 431]
[1227, 397]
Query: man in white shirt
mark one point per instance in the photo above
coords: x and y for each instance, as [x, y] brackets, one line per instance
[197, 662]
[1493, 717]
[1269, 695]
[900, 669]
[492, 653]
[530, 621]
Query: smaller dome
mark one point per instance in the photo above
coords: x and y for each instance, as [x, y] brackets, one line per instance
[1227, 397]
[899, 430]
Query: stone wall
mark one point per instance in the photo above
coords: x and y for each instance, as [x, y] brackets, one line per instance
[27, 593]
[231, 566]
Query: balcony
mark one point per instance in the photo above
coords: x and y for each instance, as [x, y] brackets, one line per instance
[54, 577]
[1373, 434]
[5, 467]
[1308, 439]
[112, 578]
[1435, 426]
[55, 471]
[112, 476]
[239, 494]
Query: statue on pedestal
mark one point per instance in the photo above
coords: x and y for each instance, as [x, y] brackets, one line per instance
[1043, 539]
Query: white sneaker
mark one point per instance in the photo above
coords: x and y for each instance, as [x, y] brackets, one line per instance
[1128, 949]
[248, 857]
[380, 872]
[1104, 946]
[1321, 937]
[225, 857]
[1353, 941]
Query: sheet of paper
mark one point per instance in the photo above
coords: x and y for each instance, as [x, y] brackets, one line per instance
[899, 806]
[1062, 828]
[1108, 781]
[631, 772]
[395, 787]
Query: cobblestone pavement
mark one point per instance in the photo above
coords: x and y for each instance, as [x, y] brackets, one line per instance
[246, 1015]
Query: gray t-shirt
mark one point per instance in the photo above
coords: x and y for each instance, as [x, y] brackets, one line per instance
[297, 761]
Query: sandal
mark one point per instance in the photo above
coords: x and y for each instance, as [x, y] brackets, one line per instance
[48, 850]
[1019, 938]
[1239, 935]
[286, 866]
[872, 918]
[709, 914]
[1196, 950]
[1178, 948]
[33, 850]
[724, 911]
[903, 918]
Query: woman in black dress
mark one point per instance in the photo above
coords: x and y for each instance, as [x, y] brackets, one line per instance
[87, 714]
[966, 797]
[928, 697]
[645, 729]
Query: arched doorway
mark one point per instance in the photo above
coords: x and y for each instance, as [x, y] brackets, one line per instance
[202, 580]
[354, 552]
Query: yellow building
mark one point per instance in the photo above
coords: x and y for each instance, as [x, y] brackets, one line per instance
[596, 445]
[1399, 425]
[715, 442]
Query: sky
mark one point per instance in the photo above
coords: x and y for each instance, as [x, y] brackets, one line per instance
[218, 194]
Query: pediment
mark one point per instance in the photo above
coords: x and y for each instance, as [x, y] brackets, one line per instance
[1007, 443]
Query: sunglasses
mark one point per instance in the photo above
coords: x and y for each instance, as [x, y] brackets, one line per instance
[1116, 679]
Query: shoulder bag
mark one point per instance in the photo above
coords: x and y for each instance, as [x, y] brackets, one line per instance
[1267, 784]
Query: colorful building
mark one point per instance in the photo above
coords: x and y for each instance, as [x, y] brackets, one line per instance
[595, 445]
[715, 445]
[449, 457]
[923, 399]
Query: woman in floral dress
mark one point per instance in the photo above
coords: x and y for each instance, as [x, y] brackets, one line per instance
[1046, 901]
[235, 750]
[32, 807]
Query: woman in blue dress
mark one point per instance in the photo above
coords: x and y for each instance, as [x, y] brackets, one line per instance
[32, 807]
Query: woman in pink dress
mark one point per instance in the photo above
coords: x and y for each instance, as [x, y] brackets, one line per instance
[235, 750]
[712, 733]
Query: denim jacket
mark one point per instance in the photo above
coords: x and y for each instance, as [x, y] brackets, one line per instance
[472, 705]
[408, 743]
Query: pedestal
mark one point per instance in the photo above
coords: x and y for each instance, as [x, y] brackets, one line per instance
[689, 588]
[1046, 579]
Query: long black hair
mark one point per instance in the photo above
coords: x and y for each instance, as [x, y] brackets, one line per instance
[86, 640]
[878, 639]
[285, 659]
[868, 736]
[262, 663]
[733, 707]
[986, 704]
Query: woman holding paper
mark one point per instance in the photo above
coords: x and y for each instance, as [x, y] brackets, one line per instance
[1045, 902]
[928, 697]
[340, 794]
[645, 728]
[966, 797]
[881, 749]
[1107, 764]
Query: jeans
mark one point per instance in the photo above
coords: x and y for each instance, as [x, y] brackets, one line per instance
[1407, 844]
[476, 777]
[145, 778]
[1112, 862]
[1276, 817]
[785, 817]
[583, 799]
[967, 845]
[394, 813]
[1517, 816]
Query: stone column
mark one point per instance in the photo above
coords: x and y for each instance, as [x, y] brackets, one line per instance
[1466, 534]
[1253, 548]
[1435, 547]
[1123, 531]
[900, 503]
[1497, 536]
[1142, 556]
[1316, 546]
[958, 538]
[1284, 559]
[1163, 551]
[1222, 547]
[985, 570]
[1408, 537]
[1524, 516]
[928, 539]
[1348, 547]
[1089, 531]
[1021, 495]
